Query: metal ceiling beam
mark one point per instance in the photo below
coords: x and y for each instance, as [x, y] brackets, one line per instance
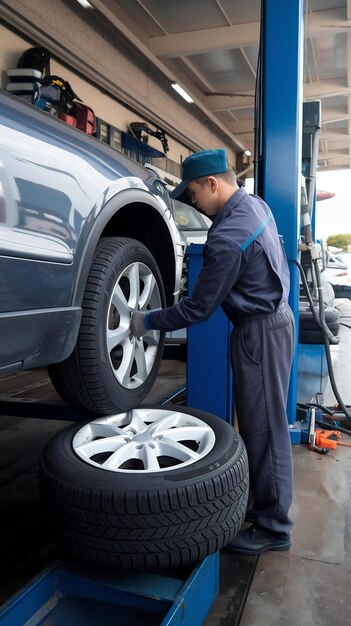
[337, 144]
[241, 128]
[239, 35]
[223, 103]
[199, 75]
[330, 20]
[329, 116]
[329, 135]
[253, 70]
[312, 91]
[332, 167]
[198, 41]
[151, 15]
[326, 88]
[113, 15]
[333, 156]
[243, 107]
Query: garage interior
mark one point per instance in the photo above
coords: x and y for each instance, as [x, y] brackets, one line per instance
[122, 58]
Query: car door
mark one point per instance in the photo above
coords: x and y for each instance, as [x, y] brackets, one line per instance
[31, 240]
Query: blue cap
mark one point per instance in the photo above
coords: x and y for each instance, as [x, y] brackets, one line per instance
[202, 163]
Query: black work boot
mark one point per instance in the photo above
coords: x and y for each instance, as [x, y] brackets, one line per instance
[255, 540]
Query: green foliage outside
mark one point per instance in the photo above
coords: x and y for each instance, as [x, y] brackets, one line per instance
[340, 241]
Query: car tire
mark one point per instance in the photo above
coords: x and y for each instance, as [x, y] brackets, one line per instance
[110, 370]
[129, 517]
[309, 331]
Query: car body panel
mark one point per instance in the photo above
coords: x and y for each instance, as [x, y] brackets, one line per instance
[59, 188]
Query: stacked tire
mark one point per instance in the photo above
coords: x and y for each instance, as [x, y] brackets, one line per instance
[309, 330]
[149, 489]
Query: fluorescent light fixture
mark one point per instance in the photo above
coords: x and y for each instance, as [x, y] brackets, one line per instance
[247, 152]
[182, 92]
[85, 4]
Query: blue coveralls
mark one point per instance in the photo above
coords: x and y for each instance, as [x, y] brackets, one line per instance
[246, 272]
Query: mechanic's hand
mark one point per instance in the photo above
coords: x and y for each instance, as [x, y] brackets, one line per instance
[137, 325]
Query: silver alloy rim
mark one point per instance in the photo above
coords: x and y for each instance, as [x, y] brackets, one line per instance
[132, 358]
[144, 440]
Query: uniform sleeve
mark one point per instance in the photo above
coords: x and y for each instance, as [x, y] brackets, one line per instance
[222, 261]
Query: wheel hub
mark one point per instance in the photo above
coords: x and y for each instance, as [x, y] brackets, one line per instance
[131, 359]
[142, 440]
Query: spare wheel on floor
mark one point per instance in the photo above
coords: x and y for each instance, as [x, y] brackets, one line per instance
[151, 488]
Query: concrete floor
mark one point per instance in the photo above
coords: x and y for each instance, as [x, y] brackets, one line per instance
[307, 586]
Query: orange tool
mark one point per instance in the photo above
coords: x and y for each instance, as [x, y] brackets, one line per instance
[326, 438]
[329, 439]
[321, 440]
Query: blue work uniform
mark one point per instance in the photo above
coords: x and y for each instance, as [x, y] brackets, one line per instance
[245, 271]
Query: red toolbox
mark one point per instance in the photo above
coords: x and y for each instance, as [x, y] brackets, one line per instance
[85, 119]
[69, 119]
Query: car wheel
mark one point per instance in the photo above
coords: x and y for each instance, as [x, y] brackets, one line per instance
[109, 369]
[151, 488]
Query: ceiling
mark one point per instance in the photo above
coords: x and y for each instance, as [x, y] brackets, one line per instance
[210, 48]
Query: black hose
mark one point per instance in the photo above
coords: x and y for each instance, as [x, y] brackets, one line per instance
[319, 322]
[307, 292]
[343, 324]
[307, 405]
[326, 335]
[327, 411]
[332, 339]
[332, 379]
[327, 426]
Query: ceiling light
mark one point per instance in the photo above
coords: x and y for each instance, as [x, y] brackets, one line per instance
[85, 4]
[247, 152]
[182, 92]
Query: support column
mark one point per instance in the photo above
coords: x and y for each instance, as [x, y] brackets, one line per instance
[280, 161]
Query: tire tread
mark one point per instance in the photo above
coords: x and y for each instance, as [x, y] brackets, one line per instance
[147, 530]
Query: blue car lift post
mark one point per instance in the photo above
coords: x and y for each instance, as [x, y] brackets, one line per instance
[282, 144]
[74, 594]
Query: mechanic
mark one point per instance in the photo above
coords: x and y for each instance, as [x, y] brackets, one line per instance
[246, 272]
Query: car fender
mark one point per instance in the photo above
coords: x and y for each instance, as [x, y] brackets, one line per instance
[114, 199]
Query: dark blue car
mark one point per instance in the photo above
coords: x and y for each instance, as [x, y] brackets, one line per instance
[87, 236]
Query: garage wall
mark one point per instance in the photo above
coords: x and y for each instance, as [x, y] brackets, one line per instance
[105, 107]
[103, 57]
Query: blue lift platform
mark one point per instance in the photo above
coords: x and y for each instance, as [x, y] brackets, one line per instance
[71, 594]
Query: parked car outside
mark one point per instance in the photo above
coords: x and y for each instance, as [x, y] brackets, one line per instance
[192, 224]
[336, 266]
[337, 272]
[87, 236]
